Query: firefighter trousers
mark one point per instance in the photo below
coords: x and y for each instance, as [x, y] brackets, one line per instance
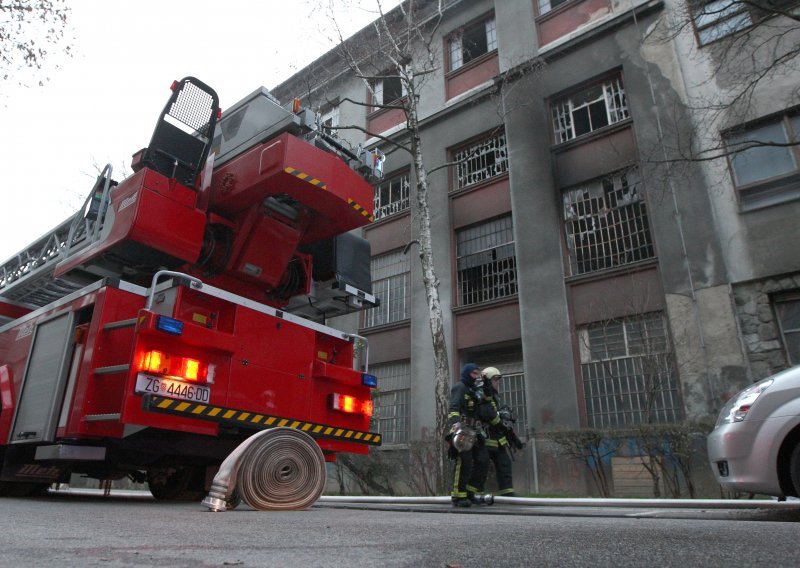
[469, 469]
[502, 467]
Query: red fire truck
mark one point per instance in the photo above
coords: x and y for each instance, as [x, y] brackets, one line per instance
[182, 312]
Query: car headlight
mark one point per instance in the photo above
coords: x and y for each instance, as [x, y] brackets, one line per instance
[737, 407]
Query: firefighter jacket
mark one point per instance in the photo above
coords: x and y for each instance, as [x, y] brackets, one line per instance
[497, 431]
[464, 397]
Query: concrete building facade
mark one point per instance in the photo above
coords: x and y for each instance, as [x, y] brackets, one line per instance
[612, 280]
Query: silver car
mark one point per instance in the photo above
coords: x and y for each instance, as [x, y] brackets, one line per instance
[755, 445]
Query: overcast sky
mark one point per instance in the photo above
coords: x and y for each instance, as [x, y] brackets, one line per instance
[101, 105]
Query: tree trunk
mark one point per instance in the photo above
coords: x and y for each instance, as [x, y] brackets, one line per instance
[431, 283]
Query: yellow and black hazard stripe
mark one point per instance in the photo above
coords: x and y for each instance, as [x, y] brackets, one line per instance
[306, 177]
[189, 409]
[322, 185]
[360, 209]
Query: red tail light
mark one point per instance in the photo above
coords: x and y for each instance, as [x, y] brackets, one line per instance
[351, 405]
[185, 368]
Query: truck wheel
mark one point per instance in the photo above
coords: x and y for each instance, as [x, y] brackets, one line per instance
[284, 470]
[173, 483]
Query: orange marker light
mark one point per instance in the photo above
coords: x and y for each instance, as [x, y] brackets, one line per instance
[351, 404]
[152, 361]
[190, 369]
[366, 408]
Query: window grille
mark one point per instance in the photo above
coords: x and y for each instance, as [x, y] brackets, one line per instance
[391, 196]
[391, 401]
[606, 224]
[628, 372]
[480, 161]
[390, 283]
[512, 392]
[589, 110]
[486, 262]
[472, 42]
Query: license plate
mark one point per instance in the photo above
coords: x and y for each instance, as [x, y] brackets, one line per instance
[172, 388]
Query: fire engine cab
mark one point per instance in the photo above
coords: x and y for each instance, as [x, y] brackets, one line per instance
[173, 330]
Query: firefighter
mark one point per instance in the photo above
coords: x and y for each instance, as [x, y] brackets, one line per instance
[497, 443]
[466, 436]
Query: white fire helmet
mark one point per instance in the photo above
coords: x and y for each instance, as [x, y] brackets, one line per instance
[491, 373]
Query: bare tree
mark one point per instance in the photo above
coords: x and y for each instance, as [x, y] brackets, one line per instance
[743, 49]
[593, 448]
[400, 46]
[28, 30]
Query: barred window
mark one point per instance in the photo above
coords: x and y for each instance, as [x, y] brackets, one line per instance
[390, 284]
[391, 401]
[471, 42]
[391, 196]
[512, 392]
[586, 111]
[628, 372]
[480, 161]
[606, 223]
[512, 385]
[486, 262]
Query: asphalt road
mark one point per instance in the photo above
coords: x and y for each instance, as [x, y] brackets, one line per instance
[76, 530]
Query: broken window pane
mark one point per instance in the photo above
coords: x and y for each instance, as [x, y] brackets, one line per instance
[486, 262]
[606, 224]
[589, 110]
[480, 161]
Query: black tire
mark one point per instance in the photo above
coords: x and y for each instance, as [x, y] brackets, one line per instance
[175, 483]
[794, 468]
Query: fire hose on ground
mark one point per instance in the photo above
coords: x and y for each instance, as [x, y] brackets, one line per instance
[281, 469]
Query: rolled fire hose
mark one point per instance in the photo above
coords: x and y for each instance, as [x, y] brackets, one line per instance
[280, 469]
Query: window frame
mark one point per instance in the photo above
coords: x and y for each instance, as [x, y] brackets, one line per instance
[399, 386]
[490, 37]
[755, 16]
[609, 380]
[779, 300]
[775, 189]
[619, 107]
[331, 113]
[492, 290]
[552, 9]
[619, 248]
[403, 175]
[474, 145]
[381, 315]
[378, 86]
